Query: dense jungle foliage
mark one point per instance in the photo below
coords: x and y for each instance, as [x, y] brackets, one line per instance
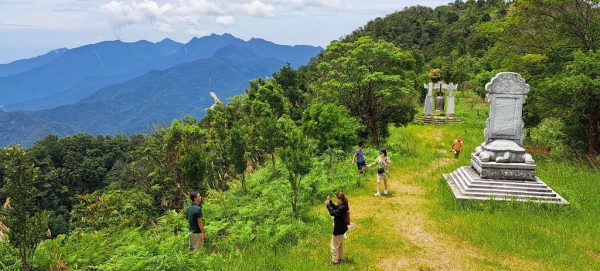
[264, 158]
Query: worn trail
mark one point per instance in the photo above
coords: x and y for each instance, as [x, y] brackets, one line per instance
[400, 220]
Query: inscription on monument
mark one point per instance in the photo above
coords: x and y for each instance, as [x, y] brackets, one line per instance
[505, 121]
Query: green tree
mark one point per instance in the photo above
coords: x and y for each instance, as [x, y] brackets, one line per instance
[266, 104]
[114, 208]
[331, 125]
[238, 144]
[547, 36]
[373, 79]
[294, 87]
[575, 97]
[296, 154]
[27, 225]
[183, 163]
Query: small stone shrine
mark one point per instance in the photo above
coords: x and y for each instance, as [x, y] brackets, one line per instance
[500, 168]
[441, 109]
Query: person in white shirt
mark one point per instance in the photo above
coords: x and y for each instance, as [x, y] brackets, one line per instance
[383, 166]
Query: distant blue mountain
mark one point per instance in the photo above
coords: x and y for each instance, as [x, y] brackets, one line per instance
[19, 66]
[159, 96]
[82, 71]
[84, 88]
[105, 59]
[22, 128]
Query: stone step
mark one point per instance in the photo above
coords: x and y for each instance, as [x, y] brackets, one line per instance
[507, 186]
[440, 120]
[466, 182]
[540, 200]
[507, 195]
[467, 189]
[467, 185]
[475, 179]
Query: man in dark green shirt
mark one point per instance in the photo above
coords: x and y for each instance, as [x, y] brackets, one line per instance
[196, 222]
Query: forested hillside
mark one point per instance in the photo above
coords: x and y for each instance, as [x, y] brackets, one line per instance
[266, 160]
[552, 44]
[167, 81]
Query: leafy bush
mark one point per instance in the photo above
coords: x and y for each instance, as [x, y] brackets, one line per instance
[8, 261]
[114, 208]
[261, 219]
[549, 133]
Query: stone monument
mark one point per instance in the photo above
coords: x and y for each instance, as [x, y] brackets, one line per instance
[429, 99]
[450, 107]
[501, 168]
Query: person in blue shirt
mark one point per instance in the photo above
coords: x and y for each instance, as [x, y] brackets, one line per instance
[360, 159]
[196, 222]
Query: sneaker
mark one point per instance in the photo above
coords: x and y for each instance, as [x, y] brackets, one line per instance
[377, 194]
[385, 192]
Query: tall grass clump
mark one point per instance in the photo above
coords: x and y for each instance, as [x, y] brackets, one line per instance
[239, 225]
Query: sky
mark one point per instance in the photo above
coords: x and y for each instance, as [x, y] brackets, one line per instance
[32, 27]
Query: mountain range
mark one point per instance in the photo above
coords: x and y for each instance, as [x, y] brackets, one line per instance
[117, 87]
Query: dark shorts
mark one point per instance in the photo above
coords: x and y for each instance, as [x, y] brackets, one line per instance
[361, 165]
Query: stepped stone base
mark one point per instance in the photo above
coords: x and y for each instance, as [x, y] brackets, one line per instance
[466, 184]
[509, 171]
[438, 120]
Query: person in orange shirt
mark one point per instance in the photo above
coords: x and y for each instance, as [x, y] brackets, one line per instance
[457, 146]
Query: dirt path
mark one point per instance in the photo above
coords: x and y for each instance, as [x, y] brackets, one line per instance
[402, 219]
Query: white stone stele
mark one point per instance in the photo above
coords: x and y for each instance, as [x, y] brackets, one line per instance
[503, 143]
[429, 99]
[450, 107]
[500, 167]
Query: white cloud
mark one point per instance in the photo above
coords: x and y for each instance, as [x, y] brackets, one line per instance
[165, 15]
[196, 32]
[225, 20]
[255, 8]
[122, 13]
[303, 4]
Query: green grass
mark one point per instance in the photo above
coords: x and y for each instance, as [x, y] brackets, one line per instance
[557, 237]
[566, 237]
[553, 237]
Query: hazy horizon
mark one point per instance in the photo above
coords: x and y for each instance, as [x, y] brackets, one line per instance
[32, 28]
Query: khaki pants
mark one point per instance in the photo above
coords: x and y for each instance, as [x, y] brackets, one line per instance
[337, 248]
[196, 241]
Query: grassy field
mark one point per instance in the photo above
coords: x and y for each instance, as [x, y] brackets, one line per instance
[421, 227]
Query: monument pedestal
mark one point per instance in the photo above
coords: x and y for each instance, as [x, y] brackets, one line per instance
[467, 184]
[509, 171]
